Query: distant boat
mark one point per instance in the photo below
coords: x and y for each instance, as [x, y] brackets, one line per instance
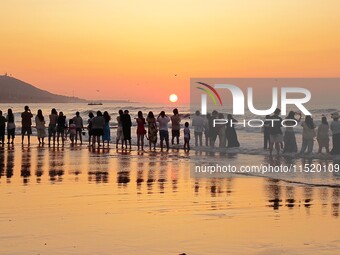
[95, 103]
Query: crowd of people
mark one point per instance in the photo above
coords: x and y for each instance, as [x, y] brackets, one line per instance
[151, 127]
[275, 138]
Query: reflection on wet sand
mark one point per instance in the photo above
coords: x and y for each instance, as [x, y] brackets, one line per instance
[40, 164]
[98, 166]
[26, 164]
[56, 164]
[159, 173]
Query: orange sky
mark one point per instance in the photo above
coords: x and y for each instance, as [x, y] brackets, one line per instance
[132, 49]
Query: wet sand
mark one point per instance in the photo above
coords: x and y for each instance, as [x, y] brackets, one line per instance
[80, 201]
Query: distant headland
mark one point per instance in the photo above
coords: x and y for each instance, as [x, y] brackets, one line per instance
[13, 90]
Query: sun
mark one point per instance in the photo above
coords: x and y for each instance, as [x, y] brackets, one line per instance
[173, 98]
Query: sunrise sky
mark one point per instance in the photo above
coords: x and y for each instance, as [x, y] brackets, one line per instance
[133, 49]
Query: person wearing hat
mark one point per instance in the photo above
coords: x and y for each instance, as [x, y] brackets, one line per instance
[335, 128]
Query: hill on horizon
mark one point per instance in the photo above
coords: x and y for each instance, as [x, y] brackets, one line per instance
[13, 90]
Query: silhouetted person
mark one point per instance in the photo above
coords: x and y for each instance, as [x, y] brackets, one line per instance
[120, 135]
[2, 128]
[186, 132]
[126, 123]
[152, 130]
[335, 128]
[89, 127]
[289, 139]
[175, 126]
[10, 126]
[198, 124]
[163, 121]
[308, 135]
[213, 130]
[40, 126]
[107, 134]
[98, 123]
[78, 121]
[266, 132]
[72, 130]
[275, 132]
[323, 135]
[61, 126]
[140, 130]
[207, 129]
[231, 132]
[221, 132]
[26, 124]
[52, 127]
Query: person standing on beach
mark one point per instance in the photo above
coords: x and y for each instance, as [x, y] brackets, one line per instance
[335, 128]
[275, 132]
[163, 121]
[89, 127]
[152, 130]
[10, 126]
[323, 135]
[120, 136]
[198, 124]
[213, 130]
[186, 132]
[2, 128]
[52, 127]
[308, 135]
[40, 126]
[72, 130]
[61, 126]
[78, 121]
[107, 134]
[26, 124]
[231, 132]
[289, 139]
[98, 123]
[207, 129]
[140, 130]
[126, 123]
[265, 130]
[221, 132]
[175, 126]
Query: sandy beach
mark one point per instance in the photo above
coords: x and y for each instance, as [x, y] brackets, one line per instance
[80, 201]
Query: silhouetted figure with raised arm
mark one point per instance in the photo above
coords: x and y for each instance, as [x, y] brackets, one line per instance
[126, 123]
[26, 124]
[163, 121]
